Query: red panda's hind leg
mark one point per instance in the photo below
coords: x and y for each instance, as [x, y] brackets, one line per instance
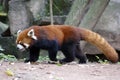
[69, 53]
[80, 55]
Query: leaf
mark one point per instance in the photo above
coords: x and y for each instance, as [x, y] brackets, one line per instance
[9, 72]
[58, 64]
[3, 14]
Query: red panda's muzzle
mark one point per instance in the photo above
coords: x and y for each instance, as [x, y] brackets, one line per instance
[22, 47]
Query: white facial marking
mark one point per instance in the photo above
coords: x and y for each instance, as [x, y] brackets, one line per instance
[20, 46]
[34, 37]
[18, 32]
[31, 33]
[26, 45]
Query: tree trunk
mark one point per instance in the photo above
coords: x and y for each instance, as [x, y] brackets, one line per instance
[94, 13]
[76, 14]
[86, 13]
[51, 11]
[37, 7]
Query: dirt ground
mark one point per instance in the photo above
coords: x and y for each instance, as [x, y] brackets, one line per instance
[72, 71]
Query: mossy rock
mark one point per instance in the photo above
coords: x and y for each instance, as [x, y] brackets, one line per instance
[8, 46]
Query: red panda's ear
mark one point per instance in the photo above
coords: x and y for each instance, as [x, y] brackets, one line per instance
[18, 32]
[31, 34]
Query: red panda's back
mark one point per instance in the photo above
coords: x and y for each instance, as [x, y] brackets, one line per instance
[70, 33]
[52, 33]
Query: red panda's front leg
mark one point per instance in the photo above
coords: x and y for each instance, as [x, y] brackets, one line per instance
[52, 55]
[33, 54]
[53, 51]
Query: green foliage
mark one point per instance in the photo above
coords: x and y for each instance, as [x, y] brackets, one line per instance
[102, 61]
[46, 58]
[7, 57]
[0, 8]
[2, 13]
[58, 64]
[118, 62]
[41, 58]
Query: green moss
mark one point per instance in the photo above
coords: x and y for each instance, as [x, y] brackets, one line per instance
[7, 57]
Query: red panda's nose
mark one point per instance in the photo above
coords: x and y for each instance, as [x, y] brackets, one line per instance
[20, 47]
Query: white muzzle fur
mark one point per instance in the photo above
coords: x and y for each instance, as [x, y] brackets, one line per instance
[20, 47]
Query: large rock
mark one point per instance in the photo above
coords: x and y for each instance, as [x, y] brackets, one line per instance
[8, 46]
[46, 20]
[37, 7]
[19, 15]
[109, 27]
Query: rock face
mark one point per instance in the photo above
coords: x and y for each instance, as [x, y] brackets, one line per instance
[46, 20]
[8, 46]
[37, 7]
[19, 16]
[109, 27]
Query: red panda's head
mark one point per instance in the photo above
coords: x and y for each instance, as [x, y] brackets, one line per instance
[25, 39]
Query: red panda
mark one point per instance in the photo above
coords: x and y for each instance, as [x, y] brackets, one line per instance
[64, 38]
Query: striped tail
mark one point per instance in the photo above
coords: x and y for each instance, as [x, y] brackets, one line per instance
[100, 43]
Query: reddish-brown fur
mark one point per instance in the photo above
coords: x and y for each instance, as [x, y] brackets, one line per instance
[65, 34]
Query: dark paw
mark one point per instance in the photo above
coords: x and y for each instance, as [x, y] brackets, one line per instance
[62, 62]
[34, 63]
[53, 62]
[26, 61]
[83, 62]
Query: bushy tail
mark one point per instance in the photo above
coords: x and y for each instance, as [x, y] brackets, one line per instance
[100, 43]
